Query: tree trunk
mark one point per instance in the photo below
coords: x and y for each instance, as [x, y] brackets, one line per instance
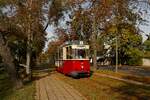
[94, 56]
[95, 59]
[94, 39]
[28, 65]
[28, 58]
[29, 39]
[8, 59]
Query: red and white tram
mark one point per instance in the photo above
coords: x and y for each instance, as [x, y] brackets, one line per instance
[73, 59]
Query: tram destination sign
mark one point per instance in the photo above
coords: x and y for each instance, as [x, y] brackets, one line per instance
[80, 46]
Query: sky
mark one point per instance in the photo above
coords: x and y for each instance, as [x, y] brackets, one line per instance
[50, 33]
[145, 28]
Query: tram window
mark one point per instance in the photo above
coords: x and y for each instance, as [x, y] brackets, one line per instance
[74, 53]
[61, 53]
[81, 54]
[69, 53]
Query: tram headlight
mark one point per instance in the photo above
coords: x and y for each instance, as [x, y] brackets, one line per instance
[82, 67]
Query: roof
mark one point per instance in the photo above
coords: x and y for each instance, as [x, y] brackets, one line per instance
[75, 44]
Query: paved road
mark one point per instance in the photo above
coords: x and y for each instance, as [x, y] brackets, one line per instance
[52, 88]
[135, 70]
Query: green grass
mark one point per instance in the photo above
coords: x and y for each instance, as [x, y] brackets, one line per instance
[100, 88]
[7, 92]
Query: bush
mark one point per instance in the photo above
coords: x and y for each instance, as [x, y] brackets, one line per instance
[0, 59]
[135, 57]
[135, 61]
[147, 45]
[147, 54]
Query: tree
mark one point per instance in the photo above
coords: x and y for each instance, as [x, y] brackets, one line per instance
[101, 14]
[146, 47]
[129, 46]
[88, 22]
[147, 43]
[8, 59]
[26, 21]
[81, 25]
[53, 47]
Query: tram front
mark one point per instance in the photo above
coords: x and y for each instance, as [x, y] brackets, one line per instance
[80, 60]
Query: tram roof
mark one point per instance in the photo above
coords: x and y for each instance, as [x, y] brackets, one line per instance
[74, 43]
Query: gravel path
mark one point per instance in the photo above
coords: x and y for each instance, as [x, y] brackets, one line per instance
[52, 88]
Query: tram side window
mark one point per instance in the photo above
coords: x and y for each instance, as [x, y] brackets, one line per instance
[61, 54]
[69, 53]
[74, 54]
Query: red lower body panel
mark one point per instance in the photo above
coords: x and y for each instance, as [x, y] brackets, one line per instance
[75, 67]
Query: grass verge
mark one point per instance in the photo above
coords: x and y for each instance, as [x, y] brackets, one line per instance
[100, 88]
[7, 93]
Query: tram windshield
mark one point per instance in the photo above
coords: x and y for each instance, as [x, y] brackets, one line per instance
[81, 54]
[76, 53]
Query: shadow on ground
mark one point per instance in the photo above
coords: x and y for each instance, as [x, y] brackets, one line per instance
[133, 92]
[5, 85]
[125, 91]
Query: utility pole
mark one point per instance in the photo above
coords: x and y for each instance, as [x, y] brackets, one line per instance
[116, 69]
[117, 25]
